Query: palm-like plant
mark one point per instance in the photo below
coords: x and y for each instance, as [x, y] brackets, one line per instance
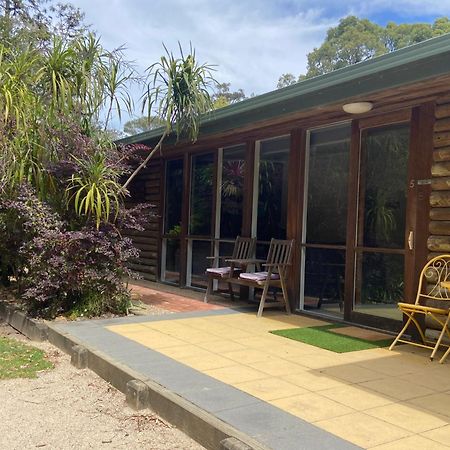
[95, 190]
[179, 89]
[38, 89]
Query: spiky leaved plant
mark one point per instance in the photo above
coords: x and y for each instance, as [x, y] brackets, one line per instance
[179, 90]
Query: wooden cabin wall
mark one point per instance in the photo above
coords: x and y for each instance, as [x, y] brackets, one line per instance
[146, 187]
[439, 227]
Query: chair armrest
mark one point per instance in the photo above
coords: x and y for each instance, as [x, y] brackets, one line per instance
[246, 261]
[277, 265]
[218, 257]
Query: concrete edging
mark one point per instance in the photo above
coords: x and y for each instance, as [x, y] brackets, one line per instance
[200, 425]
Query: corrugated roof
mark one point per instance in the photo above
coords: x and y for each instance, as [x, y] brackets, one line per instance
[411, 64]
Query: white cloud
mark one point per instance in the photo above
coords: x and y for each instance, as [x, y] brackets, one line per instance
[252, 42]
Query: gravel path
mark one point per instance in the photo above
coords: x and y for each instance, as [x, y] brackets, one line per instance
[67, 408]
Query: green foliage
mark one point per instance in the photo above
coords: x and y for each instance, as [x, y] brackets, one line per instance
[56, 158]
[94, 304]
[96, 190]
[18, 360]
[402, 35]
[40, 89]
[287, 79]
[142, 124]
[354, 40]
[61, 202]
[223, 97]
[36, 21]
[179, 89]
[175, 231]
[381, 218]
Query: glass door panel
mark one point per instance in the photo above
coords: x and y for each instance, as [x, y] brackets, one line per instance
[232, 191]
[380, 250]
[202, 195]
[199, 251]
[324, 240]
[170, 257]
[174, 197]
[231, 182]
[380, 281]
[272, 189]
[200, 238]
[327, 190]
[324, 280]
[171, 260]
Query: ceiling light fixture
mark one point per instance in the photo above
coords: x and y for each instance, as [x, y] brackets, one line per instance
[357, 107]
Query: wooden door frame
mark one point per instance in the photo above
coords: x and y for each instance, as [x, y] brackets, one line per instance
[421, 121]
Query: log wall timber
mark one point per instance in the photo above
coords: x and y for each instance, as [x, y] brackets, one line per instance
[439, 226]
[146, 187]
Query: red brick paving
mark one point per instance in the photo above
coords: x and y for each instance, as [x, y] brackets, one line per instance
[171, 302]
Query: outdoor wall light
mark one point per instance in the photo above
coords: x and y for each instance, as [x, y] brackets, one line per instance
[357, 108]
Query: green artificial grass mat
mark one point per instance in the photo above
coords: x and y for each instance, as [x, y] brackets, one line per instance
[18, 360]
[323, 337]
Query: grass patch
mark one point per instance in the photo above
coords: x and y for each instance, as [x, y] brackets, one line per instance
[324, 337]
[18, 360]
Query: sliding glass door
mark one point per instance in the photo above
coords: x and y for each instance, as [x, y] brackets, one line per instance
[270, 199]
[325, 222]
[382, 201]
[353, 254]
[171, 243]
[201, 218]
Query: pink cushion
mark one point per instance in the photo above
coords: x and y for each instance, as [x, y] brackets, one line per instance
[258, 276]
[221, 271]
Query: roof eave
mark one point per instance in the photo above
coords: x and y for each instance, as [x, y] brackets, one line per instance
[412, 64]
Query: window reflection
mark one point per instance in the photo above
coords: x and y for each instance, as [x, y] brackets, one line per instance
[174, 197]
[232, 191]
[273, 184]
[384, 172]
[327, 185]
[171, 273]
[201, 195]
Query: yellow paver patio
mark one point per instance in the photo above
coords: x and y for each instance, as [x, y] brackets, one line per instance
[374, 398]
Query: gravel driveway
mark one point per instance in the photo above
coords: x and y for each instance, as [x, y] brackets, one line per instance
[67, 408]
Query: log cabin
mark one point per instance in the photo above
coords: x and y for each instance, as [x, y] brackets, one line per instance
[354, 165]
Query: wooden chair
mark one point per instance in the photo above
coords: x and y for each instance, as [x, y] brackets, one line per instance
[278, 261]
[244, 249]
[432, 305]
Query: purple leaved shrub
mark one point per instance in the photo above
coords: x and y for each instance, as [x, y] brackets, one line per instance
[60, 261]
[68, 270]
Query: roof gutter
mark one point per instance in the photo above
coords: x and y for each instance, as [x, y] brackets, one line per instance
[412, 64]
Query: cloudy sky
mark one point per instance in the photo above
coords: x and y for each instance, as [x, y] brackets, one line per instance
[252, 42]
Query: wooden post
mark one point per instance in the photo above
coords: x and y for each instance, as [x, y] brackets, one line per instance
[419, 190]
[296, 189]
[246, 230]
[355, 146]
[185, 217]
[248, 190]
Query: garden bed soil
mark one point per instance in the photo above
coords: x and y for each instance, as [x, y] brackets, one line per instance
[67, 408]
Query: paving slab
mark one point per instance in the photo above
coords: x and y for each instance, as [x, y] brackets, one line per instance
[272, 392]
[269, 426]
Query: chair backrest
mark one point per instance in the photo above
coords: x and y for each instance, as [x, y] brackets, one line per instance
[280, 251]
[430, 289]
[244, 248]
